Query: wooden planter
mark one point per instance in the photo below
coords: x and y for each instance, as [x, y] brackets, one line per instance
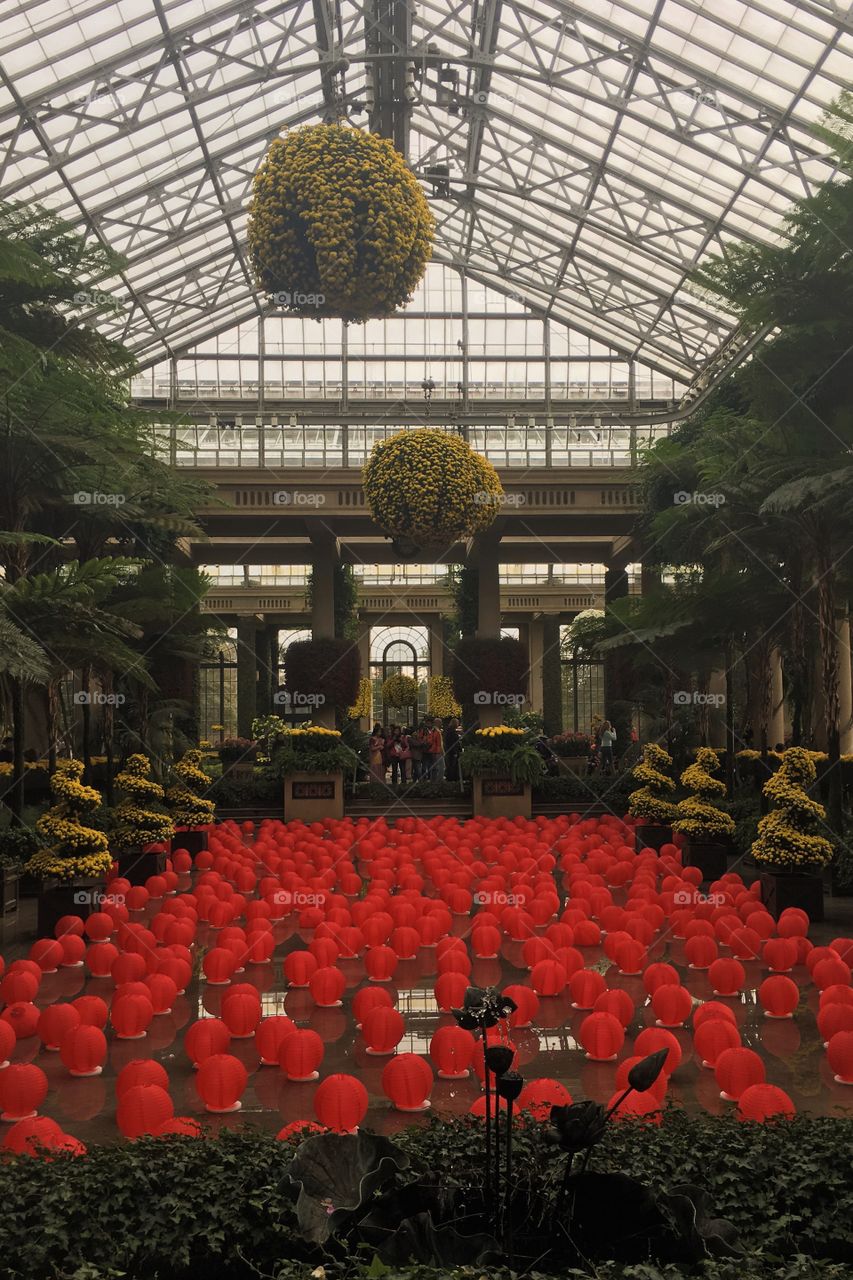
[192, 839]
[782, 889]
[9, 880]
[572, 766]
[136, 865]
[653, 836]
[710, 856]
[79, 897]
[500, 798]
[311, 797]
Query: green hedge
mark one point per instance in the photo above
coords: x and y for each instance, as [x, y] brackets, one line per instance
[176, 1208]
[612, 791]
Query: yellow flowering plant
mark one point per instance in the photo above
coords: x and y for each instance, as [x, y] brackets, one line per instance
[400, 690]
[441, 700]
[185, 796]
[788, 839]
[338, 224]
[363, 704]
[71, 847]
[427, 488]
[649, 801]
[698, 815]
[138, 819]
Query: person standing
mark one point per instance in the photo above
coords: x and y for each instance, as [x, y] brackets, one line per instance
[376, 753]
[416, 752]
[395, 754]
[608, 742]
[451, 750]
[436, 750]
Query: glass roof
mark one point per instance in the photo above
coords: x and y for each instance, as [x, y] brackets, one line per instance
[591, 152]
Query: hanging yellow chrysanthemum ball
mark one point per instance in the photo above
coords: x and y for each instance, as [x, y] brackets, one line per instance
[426, 488]
[338, 224]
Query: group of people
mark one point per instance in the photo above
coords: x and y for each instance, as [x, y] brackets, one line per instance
[430, 750]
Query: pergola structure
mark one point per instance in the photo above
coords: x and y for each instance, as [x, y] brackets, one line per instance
[582, 160]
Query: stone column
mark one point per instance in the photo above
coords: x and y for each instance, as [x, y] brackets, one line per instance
[488, 613]
[617, 690]
[552, 676]
[247, 675]
[323, 561]
[717, 718]
[845, 687]
[535, 648]
[776, 720]
[436, 645]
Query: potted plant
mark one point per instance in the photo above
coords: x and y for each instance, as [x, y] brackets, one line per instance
[649, 802]
[789, 850]
[311, 761]
[17, 844]
[238, 756]
[503, 766]
[192, 813]
[571, 750]
[74, 857]
[708, 827]
[441, 702]
[141, 828]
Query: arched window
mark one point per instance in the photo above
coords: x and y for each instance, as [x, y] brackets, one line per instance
[218, 692]
[398, 649]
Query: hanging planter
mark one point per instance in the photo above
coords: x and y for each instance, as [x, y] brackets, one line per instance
[400, 691]
[338, 224]
[427, 488]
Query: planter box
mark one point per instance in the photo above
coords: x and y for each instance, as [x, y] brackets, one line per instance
[78, 897]
[500, 798]
[711, 857]
[572, 766]
[137, 865]
[311, 797]
[652, 836]
[9, 879]
[193, 839]
[781, 889]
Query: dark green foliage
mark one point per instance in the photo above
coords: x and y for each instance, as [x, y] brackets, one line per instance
[330, 667]
[489, 667]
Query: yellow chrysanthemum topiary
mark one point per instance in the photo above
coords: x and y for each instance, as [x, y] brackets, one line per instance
[649, 802]
[71, 847]
[441, 700]
[427, 488]
[363, 704]
[400, 690]
[138, 819]
[185, 799]
[698, 815]
[338, 224]
[787, 836]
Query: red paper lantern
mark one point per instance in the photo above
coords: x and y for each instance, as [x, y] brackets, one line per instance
[219, 965]
[839, 1053]
[33, 1137]
[84, 1050]
[205, 1038]
[713, 1038]
[713, 1009]
[778, 996]
[727, 977]
[541, 1095]
[672, 1005]
[23, 1088]
[22, 1017]
[450, 991]
[655, 1038]
[93, 1011]
[407, 1082]
[456, 961]
[629, 956]
[340, 1103]
[221, 1082]
[548, 978]
[99, 926]
[585, 987]
[780, 954]
[68, 926]
[127, 967]
[831, 1019]
[179, 1126]
[830, 973]
[241, 1014]
[131, 1016]
[382, 1030]
[764, 1102]
[100, 958]
[617, 1002]
[700, 952]
[301, 1054]
[380, 963]
[658, 1089]
[527, 1003]
[735, 1070]
[269, 1036]
[660, 975]
[163, 991]
[47, 954]
[327, 985]
[8, 1040]
[142, 1109]
[452, 1051]
[602, 1036]
[405, 941]
[19, 987]
[298, 968]
[635, 1106]
[486, 942]
[55, 1022]
[141, 1071]
[73, 951]
[793, 923]
[369, 998]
